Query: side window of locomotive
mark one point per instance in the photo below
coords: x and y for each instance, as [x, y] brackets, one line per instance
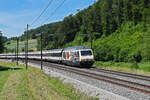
[77, 54]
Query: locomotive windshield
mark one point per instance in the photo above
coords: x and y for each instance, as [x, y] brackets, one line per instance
[86, 53]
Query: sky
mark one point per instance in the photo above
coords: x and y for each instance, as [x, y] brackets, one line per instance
[16, 14]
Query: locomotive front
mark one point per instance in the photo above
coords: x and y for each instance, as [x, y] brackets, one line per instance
[86, 57]
[78, 56]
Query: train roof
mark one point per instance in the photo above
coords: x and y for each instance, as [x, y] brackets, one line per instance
[77, 48]
[53, 51]
[47, 51]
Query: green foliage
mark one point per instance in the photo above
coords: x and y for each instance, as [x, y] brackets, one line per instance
[1, 44]
[144, 66]
[125, 46]
[134, 65]
[119, 29]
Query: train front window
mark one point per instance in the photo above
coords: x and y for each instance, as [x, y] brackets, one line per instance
[86, 53]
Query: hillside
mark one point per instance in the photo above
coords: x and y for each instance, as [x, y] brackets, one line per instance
[127, 44]
[11, 45]
[47, 28]
[119, 30]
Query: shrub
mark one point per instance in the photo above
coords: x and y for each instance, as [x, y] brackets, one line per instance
[135, 57]
[134, 65]
[123, 55]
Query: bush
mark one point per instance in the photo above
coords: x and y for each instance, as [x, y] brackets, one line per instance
[134, 65]
[135, 57]
[123, 55]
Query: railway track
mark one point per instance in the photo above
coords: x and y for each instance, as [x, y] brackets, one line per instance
[120, 82]
[124, 74]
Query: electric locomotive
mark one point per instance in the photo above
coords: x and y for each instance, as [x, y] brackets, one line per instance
[78, 56]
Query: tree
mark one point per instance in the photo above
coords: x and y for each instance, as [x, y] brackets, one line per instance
[146, 46]
[1, 43]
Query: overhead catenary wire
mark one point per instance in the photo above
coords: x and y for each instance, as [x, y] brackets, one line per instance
[53, 12]
[50, 2]
[41, 33]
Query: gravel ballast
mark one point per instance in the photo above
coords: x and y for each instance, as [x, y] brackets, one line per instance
[88, 89]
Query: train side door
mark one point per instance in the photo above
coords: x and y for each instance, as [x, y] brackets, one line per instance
[76, 56]
[64, 56]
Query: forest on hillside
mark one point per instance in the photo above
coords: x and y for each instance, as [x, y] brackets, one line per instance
[119, 29]
[1, 45]
[1, 42]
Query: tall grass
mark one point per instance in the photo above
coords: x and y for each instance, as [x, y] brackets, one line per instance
[138, 68]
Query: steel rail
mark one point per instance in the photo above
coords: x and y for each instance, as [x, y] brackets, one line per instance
[124, 74]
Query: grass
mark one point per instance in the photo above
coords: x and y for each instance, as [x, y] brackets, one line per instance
[17, 83]
[142, 68]
[12, 44]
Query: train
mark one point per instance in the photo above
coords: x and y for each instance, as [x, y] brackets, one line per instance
[81, 56]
